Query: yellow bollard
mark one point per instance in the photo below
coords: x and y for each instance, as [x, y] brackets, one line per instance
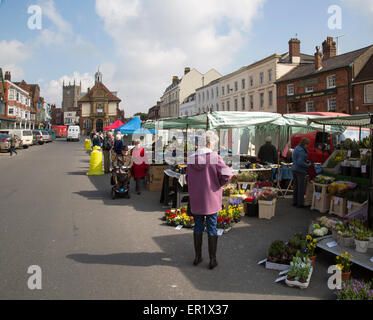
[96, 148]
[88, 145]
[95, 165]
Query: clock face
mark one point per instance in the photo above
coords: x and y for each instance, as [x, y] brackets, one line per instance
[68, 92]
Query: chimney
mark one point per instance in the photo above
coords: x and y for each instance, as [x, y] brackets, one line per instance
[329, 48]
[8, 76]
[186, 70]
[318, 59]
[294, 50]
[175, 79]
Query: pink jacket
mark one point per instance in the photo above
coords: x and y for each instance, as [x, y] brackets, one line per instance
[205, 179]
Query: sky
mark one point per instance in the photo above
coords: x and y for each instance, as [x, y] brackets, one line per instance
[139, 45]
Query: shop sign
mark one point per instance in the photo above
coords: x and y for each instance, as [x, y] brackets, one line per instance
[313, 94]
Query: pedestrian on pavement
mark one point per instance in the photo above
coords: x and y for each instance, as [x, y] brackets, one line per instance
[118, 144]
[13, 142]
[95, 141]
[107, 148]
[299, 169]
[206, 175]
[268, 152]
[140, 165]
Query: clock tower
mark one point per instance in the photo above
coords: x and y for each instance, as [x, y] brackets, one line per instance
[70, 96]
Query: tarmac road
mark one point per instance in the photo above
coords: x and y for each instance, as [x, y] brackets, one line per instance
[91, 247]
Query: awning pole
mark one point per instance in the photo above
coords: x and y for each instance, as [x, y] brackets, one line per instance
[370, 193]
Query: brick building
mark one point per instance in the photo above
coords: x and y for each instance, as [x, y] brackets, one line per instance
[324, 85]
[57, 116]
[154, 112]
[362, 89]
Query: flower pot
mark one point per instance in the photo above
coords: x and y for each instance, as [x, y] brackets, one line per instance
[267, 209]
[361, 246]
[370, 246]
[346, 276]
[252, 209]
[345, 242]
[313, 259]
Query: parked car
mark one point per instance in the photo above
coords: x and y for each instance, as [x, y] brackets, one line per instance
[5, 142]
[46, 135]
[24, 135]
[73, 133]
[61, 131]
[38, 137]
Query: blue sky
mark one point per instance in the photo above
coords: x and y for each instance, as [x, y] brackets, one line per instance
[141, 44]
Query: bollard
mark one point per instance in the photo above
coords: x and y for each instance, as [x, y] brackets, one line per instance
[88, 145]
[95, 165]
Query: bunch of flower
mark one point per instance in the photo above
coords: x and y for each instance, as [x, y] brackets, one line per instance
[267, 195]
[343, 262]
[300, 268]
[229, 190]
[311, 246]
[224, 222]
[324, 179]
[355, 290]
[188, 221]
[255, 192]
[264, 184]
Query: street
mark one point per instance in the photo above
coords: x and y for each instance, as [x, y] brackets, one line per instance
[89, 246]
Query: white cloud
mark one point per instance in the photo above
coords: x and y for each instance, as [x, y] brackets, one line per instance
[156, 41]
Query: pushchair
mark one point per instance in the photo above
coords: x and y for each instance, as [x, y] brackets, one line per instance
[120, 181]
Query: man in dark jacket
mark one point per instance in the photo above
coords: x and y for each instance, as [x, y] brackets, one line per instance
[268, 152]
[13, 142]
[299, 168]
[107, 147]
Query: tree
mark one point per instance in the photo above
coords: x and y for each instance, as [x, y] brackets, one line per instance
[143, 116]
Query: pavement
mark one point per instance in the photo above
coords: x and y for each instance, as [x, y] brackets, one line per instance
[89, 246]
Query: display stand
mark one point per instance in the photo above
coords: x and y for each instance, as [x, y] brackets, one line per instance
[320, 200]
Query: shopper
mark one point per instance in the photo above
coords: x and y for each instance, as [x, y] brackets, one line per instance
[13, 142]
[95, 141]
[268, 152]
[299, 168]
[140, 165]
[206, 175]
[118, 145]
[107, 148]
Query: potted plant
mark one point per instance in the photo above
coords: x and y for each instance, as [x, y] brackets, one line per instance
[188, 222]
[311, 247]
[278, 256]
[300, 272]
[344, 264]
[267, 203]
[224, 222]
[304, 272]
[355, 290]
[345, 236]
[362, 241]
[370, 234]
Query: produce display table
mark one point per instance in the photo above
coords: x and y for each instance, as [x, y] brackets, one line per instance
[362, 259]
[174, 188]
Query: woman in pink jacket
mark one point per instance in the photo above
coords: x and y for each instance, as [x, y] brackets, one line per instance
[206, 175]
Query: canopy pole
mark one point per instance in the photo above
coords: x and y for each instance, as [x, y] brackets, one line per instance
[370, 193]
[323, 143]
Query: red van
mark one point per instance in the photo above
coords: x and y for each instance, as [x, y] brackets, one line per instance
[61, 131]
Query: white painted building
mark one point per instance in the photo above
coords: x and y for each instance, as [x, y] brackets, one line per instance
[188, 107]
[208, 97]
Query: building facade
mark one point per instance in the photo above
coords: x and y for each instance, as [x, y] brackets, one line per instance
[208, 97]
[326, 84]
[182, 88]
[362, 89]
[188, 107]
[253, 88]
[154, 112]
[99, 108]
[70, 96]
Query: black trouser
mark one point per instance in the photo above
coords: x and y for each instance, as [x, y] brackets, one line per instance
[299, 188]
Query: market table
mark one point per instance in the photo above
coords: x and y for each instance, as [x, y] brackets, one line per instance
[179, 188]
[362, 259]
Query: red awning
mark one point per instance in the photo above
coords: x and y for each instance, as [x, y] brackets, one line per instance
[115, 125]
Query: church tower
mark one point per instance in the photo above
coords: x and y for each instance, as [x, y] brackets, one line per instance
[70, 96]
[98, 76]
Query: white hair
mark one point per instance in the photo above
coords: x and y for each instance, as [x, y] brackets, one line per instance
[118, 136]
[212, 138]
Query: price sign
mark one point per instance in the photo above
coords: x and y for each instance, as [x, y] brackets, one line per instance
[220, 232]
[262, 261]
[317, 195]
[281, 279]
[371, 259]
[332, 244]
[365, 151]
[244, 186]
[179, 227]
[349, 154]
[283, 272]
[349, 204]
[363, 169]
[336, 200]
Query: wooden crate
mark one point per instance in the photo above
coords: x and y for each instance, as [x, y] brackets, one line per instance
[267, 209]
[338, 206]
[309, 194]
[353, 206]
[155, 179]
[320, 200]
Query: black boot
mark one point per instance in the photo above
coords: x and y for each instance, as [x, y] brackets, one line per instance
[198, 248]
[213, 243]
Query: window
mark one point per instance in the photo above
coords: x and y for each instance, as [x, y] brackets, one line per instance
[368, 93]
[243, 103]
[203, 96]
[235, 105]
[12, 94]
[290, 89]
[228, 106]
[251, 102]
[11, 111]
[236, 86]
[261, 77]
[262, 100]
[270, 75]
[310, 106]
[212, 94]
[332, 105]
[228, 89]
[243, 84]
[199, 98]
[207, 95]
[217, 91]
[331, 81]
[223, 106]
[222, 90]
[251, 81]
[270, 98]
[217, 107]
[309, 89]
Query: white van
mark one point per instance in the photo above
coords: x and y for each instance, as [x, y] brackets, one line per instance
[24, 134]
[73, 133]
